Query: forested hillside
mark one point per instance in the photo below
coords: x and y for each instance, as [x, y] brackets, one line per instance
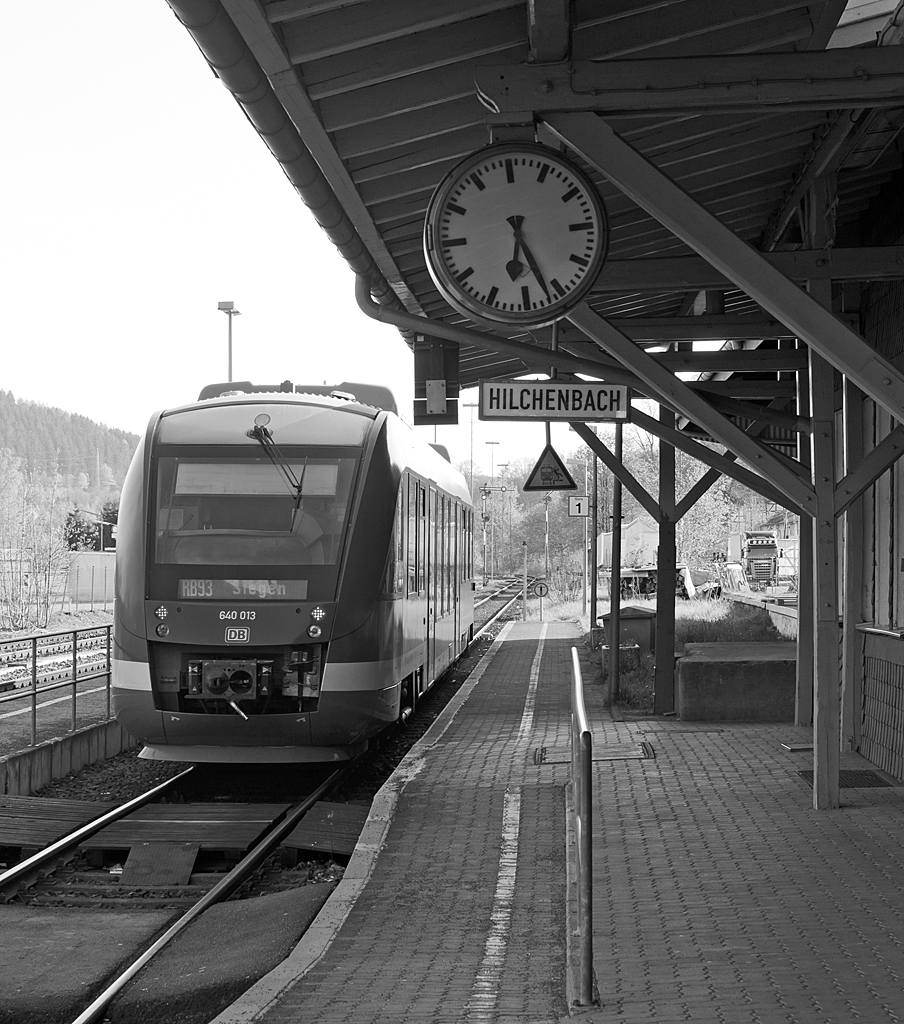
[60, 473]
[80, 453]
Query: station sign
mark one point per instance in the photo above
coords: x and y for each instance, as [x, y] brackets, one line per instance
[553, 400]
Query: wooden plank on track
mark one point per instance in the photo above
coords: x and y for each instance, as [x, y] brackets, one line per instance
[32, 822]
[159, 864]
[213, 826]
[329, 828]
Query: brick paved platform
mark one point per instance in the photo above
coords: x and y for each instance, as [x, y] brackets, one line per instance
[720, 895]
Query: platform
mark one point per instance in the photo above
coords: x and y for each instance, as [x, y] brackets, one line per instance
[720, 894]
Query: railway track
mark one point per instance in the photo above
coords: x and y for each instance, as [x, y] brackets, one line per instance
[48, 879]
[63, 849]
[225, 888]
[498, 605]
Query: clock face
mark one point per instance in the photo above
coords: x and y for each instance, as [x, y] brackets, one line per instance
[515, 234]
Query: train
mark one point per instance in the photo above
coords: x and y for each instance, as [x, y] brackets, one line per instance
[294, 571]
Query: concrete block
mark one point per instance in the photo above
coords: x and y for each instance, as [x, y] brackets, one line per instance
[13, 776]
[29, 770]
[746, 682]
[40, 764]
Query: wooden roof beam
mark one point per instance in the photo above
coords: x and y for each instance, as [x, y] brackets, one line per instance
[549, 30]
[736, 82]
[694, 273]
[828, 336]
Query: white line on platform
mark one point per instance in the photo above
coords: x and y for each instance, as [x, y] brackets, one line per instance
[527, 716]
[485, 992]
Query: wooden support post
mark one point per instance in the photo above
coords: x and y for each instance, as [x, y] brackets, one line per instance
[664, 685]
[852, 582]
[827, 674]
[615, 576]
[826, 705]
[803, 702]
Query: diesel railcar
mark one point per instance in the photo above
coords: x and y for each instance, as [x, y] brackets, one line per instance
[294, 570]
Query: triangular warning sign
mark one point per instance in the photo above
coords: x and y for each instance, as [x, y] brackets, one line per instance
[549, 474]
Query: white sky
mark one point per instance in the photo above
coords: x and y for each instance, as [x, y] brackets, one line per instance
[135, 197]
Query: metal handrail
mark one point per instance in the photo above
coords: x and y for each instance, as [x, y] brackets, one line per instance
[30, 652]
[581, 787]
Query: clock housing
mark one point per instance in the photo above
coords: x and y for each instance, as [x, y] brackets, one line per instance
[515, 234]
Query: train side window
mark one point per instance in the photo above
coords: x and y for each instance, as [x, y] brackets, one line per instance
[433, 527]
[438, 551]
[444, 541]
[412, 535]
[399, 538]
[394, 582]
[421, 538]
[453, 540]
[447, 548]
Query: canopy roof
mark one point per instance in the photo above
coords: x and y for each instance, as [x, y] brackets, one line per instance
[367, 105]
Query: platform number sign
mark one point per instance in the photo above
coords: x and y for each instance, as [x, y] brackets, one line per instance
[579, 505]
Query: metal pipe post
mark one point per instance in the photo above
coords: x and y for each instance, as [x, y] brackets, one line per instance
[593, 555]
[615, 578]
[34, 691]
[581, 790]
[75, 675]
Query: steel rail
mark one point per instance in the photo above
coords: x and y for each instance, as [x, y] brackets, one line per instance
[495, 594]
[221, 891]
[15, 875]
[493, 618]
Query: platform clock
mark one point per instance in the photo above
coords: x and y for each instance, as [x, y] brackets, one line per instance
[515, 234]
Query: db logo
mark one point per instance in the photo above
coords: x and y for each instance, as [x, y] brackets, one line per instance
[238, 635]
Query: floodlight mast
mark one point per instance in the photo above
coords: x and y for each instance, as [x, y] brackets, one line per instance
[229, 309]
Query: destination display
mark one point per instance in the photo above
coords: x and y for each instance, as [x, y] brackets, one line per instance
[552, 400]
[244, 590]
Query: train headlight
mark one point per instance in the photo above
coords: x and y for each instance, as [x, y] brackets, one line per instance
[160, 611]
[317, 614]
[162, 630]
[313, 631]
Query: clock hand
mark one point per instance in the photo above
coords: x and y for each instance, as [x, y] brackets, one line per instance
[514, 267]
[516, 222]
[532, 263]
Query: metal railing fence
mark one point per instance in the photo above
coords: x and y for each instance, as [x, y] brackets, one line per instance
[581, 788]
[54, 661]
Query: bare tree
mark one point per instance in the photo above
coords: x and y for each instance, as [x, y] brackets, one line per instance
[32, 545]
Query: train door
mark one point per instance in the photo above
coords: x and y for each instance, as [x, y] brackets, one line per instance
[432, 584]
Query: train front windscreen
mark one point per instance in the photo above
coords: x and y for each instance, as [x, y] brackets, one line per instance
[240, 527]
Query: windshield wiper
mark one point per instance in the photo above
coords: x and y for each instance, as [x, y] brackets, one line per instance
[264, 436]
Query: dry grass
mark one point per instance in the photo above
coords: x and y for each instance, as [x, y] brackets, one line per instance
[711, 622]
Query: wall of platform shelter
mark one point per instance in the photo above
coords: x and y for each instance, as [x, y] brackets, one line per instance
[879, 731]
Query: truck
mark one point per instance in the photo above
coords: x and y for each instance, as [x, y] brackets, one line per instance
[759, 556]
